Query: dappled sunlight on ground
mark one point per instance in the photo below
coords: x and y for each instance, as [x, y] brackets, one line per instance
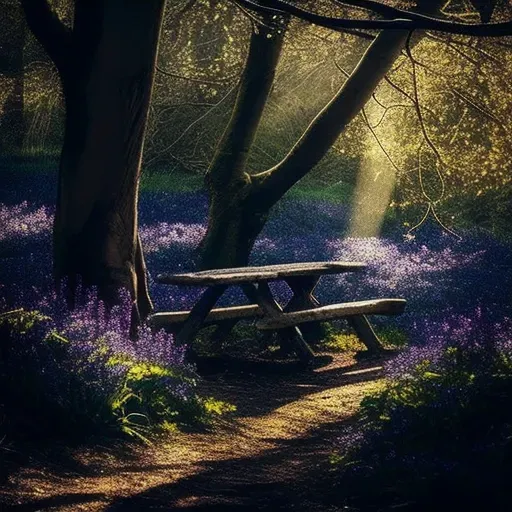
[280, 420]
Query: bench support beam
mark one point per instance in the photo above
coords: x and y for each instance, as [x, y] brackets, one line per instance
[199, 313]
[262, 294]
[222, 331]
[365, 333]
[303, 298]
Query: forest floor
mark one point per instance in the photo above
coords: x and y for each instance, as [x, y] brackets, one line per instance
[273, 454]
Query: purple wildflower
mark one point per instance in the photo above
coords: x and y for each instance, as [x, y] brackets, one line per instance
[393, 267]
[163, 235]
[22, 221]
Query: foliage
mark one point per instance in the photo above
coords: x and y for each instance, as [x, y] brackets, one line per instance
[490, 210]
[392, 337]
[80, 370]
[441, 422]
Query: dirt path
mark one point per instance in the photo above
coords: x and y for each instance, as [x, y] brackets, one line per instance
[278, 442]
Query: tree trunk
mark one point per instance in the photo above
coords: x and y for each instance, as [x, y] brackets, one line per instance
[12, 41]
[107, 76]
[233, 222]
[231, 234]
[233, 225]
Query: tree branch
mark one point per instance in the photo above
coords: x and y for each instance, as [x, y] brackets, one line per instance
[473, 102]
[49, 30]
[332, 120]
[255, 85]
[335, 116]
[194, 123]
[407, 20]
[426, 136]
[223, 81]
[379, 142]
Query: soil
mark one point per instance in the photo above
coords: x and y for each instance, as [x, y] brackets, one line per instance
[272, 454]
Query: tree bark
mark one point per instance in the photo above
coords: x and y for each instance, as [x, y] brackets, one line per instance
[233, 222]
[107, 73]
[240, 203]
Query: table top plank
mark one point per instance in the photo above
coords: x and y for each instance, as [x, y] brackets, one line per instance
[240, 275]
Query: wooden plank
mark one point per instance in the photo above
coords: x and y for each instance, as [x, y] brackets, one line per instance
[262, 294]
[198, 314]
[259, 273]
[162, 319]
[333, 311]
[365, 333]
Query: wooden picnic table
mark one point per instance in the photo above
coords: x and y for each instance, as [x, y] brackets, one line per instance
[302, 279]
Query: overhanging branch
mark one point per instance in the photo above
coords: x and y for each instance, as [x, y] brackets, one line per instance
[396, 19]
[332, 120]
[327, 126]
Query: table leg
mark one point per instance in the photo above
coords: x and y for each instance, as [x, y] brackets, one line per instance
[198, 314]
[261, 294]
[264, 298]
[303, 298]
[222, 332]
[366, 333]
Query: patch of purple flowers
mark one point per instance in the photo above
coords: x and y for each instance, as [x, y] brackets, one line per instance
[82, 357]
[397, 269]
[164, 235]
[23, 221]
[443, 413]
[91, 321]
[477, 337]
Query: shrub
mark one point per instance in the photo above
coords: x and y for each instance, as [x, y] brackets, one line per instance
[80, 370]
[441, 423]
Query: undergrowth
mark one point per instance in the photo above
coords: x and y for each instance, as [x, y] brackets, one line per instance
[438, 432]
[82, 374]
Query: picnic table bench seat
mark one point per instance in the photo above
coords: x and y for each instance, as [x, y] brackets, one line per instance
[333, 312]
[170, 318]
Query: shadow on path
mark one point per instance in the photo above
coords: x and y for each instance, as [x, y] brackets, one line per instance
[245, 382]
[293, 476]
[273, 455]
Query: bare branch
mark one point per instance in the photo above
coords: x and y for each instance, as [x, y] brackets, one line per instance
[387, 109]
[426, 136]
[376, 137]
[405, 93]
[194, 123]
[466, 99]
[194, 79]
[454, 45]
[407, 20]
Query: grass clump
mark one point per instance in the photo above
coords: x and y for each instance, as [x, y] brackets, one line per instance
[341, 342]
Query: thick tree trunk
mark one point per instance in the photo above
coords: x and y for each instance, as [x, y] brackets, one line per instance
[228, 240]
[234, 223]
[107, 69]
[12, 41]
[107, 100]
